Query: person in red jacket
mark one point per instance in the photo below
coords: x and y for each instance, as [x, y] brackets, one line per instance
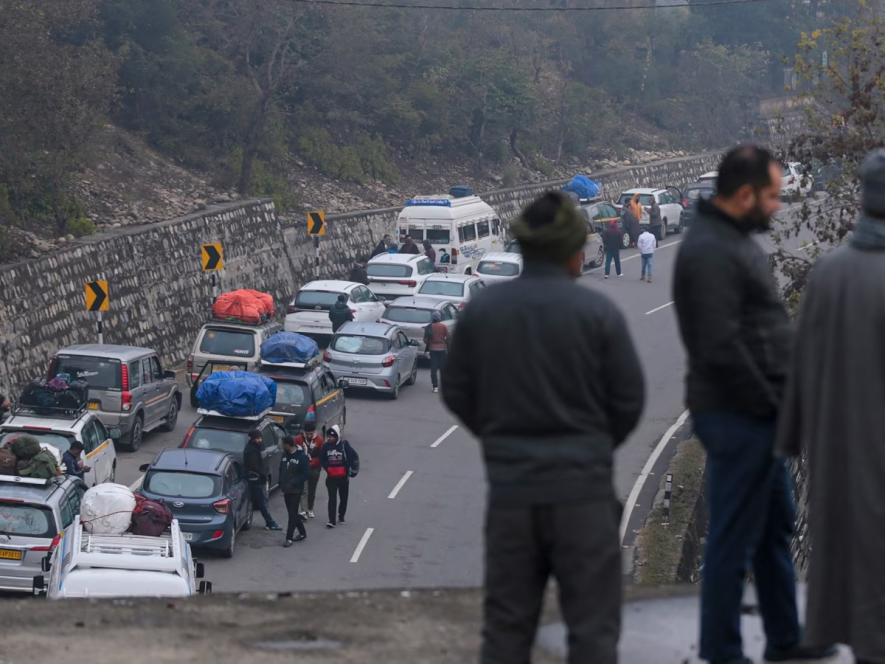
[312, 443]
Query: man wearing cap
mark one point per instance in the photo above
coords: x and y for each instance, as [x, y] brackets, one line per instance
[832, 409]
[543, 371]
[436, 336]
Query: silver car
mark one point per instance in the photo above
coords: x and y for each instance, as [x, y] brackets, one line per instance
[373, 356]
[414, 314]
[32, 513]
[458, 289]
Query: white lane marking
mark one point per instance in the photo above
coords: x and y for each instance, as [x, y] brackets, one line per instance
[663, 246]
[136, 485]
[808, 246]
[362, 545]
[663, 306]
[400, 484]
[649, 465]
[445, 435]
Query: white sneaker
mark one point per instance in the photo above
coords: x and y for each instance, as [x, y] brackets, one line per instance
[309, 514]
[303, 515]
[436, 389]
[606, 276]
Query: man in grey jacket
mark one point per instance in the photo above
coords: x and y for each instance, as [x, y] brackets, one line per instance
[549, 405]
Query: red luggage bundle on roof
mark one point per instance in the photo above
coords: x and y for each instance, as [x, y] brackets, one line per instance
[246, 306]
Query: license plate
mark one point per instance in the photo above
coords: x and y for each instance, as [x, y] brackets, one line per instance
[188, 537]
[220, 367]
[92, 405]
[10, 554]
[277, 418]
[357, 381]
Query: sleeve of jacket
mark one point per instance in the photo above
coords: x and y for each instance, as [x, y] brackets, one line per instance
[324, 461]
[303, 469]
[458, 374]
[348, 456]
[624, 380]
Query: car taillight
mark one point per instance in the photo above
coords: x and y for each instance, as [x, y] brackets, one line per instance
[410, 284]
[52, 364]
[291, 309]
[190, 364]
[222, 506]
[684, 202]
[55, 541]
[127, 400]
[326, 356]
[792, 180]
[463, 304]
[188, 437]
[125, 372]
[353, 311]
[311, 415]
[388, 361]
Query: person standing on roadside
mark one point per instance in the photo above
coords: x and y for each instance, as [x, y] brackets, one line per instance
[358, 272]
[294, 472]
[340, 313]
[256, 474]
[655, 221]
[313, 445]
[337, 458]
[832, 410]
[429, 251]
[552, 508]
[436, 336]
[612, 240]
[409, 246]
[646, 244]
[737, 334]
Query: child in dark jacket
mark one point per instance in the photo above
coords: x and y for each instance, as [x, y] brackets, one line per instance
[294, 473]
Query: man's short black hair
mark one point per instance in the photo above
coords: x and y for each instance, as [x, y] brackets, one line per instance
[744, 165]
[342, 298]
[288, 441]
[77, 445]
[310, 426]
[254, 434]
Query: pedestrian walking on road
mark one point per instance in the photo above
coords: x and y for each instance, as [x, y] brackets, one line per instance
[552, 508]
[737, 334]
[340, 313]
[429, 251]
[409, 246]
[833, 410]
[612, 240]
[436, 336]
[313, 445]
[646, 245]
[256, 474]
[337, 457]
[358, 272]
[294, 473]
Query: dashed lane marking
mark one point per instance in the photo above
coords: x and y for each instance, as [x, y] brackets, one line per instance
[663, 306]
[445, 435]
[362, 545]
[400, 484]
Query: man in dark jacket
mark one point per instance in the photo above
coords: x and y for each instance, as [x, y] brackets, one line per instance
[613, 239]
[409, 246]
[631, 223]
[294, 472]
[358, 272]
[256, 474]
[429, 251]
[737, 334]
[340, 313]
[382, 247]
[337, 457]
[71, 461]
[436, 336]
[548, 421]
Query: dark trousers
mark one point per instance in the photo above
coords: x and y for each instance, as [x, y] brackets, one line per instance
[292, 501]
[337, 486]
[437, 362]
[259, 501]
[310, 493]
[752, 515]
[612, 256]
[579, 546]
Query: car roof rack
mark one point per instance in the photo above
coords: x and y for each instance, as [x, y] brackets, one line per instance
[316, 360]
[215, 413]
[48, 412]
[29, 481]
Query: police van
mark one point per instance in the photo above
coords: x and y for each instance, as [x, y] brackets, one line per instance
[460, 226]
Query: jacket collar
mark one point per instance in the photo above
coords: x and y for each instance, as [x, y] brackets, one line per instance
[707, 208]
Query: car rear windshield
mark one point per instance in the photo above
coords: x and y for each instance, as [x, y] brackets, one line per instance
[229, 343]
[313, 299]
[360, 345]
[57, 440]
[23, 520]
[450, 288]
[177, 484]
[291, 394]
[408, 315]
[697, 192]
[100, 373]
[644, 199]
[438, 236]
[498, 268]
[388, 270]
[219, 439]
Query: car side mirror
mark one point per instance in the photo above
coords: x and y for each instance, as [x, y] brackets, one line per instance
[169, 375]
[115, 434]
[200, 571]
[343, 384]
[414, 342]
[143, 468]
[45, 564]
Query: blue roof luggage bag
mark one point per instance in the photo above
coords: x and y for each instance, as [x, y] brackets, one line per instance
[289, 347]
[584, 187]
[237, 393]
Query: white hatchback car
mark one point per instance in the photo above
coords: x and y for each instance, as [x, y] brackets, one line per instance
[497, 267]
[309, 312]
[397, 275]
[796, 181]
[458, 289]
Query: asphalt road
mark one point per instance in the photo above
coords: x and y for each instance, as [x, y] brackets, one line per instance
[416, 509]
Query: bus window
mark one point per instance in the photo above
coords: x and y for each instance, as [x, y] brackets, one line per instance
[439, 236]
[467, 233]
[483, 228]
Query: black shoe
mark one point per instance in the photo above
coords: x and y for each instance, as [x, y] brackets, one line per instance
[300, 538]
[340, 519]
[287, 543]
[800, 653]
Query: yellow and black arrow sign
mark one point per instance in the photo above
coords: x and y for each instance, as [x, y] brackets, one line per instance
[97, 296]
[316, 223]
[213, 257]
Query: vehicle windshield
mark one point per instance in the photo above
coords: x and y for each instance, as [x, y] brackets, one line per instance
[177, 484]
[310, 299]
[360, 345]
[498, 268]
[698, 192]
[229, 343]
[388, 270]
[100, 373]
[222, 440]
[23, 520]
[408, 315]
[440, 287]
[439, 236]
[57, 440]
[644, 199]
[785, 170]
[291, 394]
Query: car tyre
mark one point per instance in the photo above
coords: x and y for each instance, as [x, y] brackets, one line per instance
[394, 394]
[679, 227]
[229, 551]
[135, 436]
[662, 231]
[413, 377]
[250, 514]
[626, 240]
[113, 473]
[600, 257]
[171, 416]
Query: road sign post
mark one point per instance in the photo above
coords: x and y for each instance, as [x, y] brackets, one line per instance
[316, 226]
[98, 300]
[213, 261]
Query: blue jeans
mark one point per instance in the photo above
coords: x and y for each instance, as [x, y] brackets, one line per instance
[647, 260]
[259, 502]
[609, 256]
[750, 501]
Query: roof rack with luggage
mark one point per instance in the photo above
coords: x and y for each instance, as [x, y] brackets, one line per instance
[214, 413]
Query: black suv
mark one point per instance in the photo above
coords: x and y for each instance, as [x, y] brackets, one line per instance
[306, 393]
[694, 193]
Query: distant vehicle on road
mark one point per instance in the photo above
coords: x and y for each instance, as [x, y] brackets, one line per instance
[32, 513]
[207, 492]
[693, 194]
[458, 289]
[308, 313]
[669, 200]
[414, 314]
[712, 176]
[396, 275]
[128, 388]
[796, 182]
[373, 356]
[501, 266]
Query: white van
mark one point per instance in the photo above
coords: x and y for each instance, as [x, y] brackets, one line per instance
[462, 229]
[85, 565]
